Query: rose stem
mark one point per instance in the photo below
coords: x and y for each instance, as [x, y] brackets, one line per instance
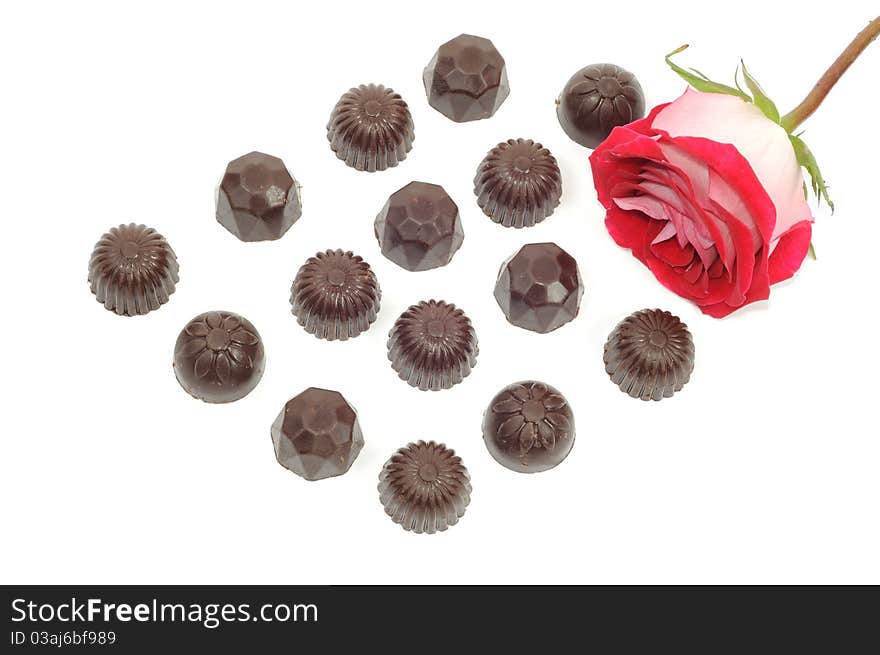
[803, 111]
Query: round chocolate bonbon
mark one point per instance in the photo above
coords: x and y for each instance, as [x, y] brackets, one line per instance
[433, 345]
[528, 427]
[219, 357]
[335, 295]
[370, 128]
[258, 198]
[597, 99]
[424, 487]
[132, 270]
[518, 184]
[650, 354]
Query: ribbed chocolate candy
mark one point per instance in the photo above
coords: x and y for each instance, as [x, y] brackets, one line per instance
[433, 345]
[370, 128]
[424, 487]
[132, 270]
[650, 354]
[335, 295]
[518, 184]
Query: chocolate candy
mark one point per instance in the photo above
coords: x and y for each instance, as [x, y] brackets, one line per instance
[466, 80]
[433, 345]
[317, 434]
[597, 99]
[419, 228]
[540, 287]
[219, 357]
[258, 199]
[132, 270]
[650, 354]
[528, 427]
[518, 184]
[424, 487]
[335, 295]
[370, 128]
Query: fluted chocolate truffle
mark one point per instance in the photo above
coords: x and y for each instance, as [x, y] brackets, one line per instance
[370, 128]
[466, 80]
[424, 487]
[539, 288]
[433, 345]
[518, 184]
[335, 295]
[597, 99]
[219, 357]
[258, 198]
[650, 354]
[419, 228]
[317, 434]
[132, 270]
[528, 427]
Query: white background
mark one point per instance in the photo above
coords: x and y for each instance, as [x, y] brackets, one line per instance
[764, 469]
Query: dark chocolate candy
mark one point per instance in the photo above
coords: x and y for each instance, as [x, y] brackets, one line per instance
[335, 295]
[132, 270]
[433, 345]
[370, 128]
[518, 184]
[258, 199]
[528, 427]
[467, 79]
[219, 357]
[317, 434]
[650, 354]
[540, 287]
[597, 99]
[424, 487]
[419, 228]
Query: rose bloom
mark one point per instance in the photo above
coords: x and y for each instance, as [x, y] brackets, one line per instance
[707, 193]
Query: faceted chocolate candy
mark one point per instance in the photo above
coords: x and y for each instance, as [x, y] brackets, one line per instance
[317, 434]
[518, 184]
[419, 228]
[597, 99]
[132, 270]
[466, 80]
[258, 199]
[528, 427]
[433, 345]
[219, 357]
[650, 354]
[335, 295]
[540, 287]
[371, 128]
[424, 487]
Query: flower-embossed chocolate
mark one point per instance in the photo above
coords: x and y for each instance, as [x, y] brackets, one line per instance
[219, 357]
[419, 228]
[528, 427]
[467, 79]
[317, 434]
[433, 345]
[132, 270]
[597, 99]
[518, 184]
[424, 487]
[335, 295]
[540, 287]
[370, 128]
[258, 199]
[650, 354]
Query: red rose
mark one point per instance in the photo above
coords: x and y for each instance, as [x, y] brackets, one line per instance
[708, 194]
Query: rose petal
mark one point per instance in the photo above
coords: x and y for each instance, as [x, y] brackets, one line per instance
[244, 337]
[790, 252]
[204, 364]
[192, 347]
[197, 329]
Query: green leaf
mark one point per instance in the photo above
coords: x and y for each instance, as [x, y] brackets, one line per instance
[806, 159]
[700, 82]
[761, 99]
